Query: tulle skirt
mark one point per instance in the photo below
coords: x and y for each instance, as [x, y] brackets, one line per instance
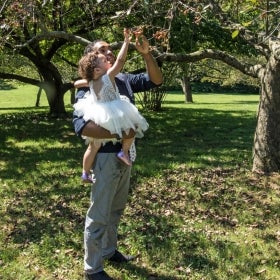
[117, 116]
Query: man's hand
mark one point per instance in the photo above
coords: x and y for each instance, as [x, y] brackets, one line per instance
[141, 43]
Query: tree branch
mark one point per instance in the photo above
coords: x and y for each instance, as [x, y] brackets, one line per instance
[274, 46]
[54, 35]
[20, 78]
[245, 33]
[248, 69]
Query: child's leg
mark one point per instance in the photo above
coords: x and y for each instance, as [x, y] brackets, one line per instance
[126, 144]
[88, 159]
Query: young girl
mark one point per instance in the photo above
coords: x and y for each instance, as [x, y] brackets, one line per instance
[105, 107]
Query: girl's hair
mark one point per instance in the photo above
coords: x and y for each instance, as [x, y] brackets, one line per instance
[87, 64]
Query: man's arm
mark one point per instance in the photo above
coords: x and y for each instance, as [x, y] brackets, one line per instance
[89, 128]
[93, 130]
[154, 72]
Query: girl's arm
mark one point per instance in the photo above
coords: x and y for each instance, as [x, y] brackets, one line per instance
[121, 58]
[81, 83]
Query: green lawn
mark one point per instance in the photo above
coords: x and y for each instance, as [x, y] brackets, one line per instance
[195, 209]
[24, 97]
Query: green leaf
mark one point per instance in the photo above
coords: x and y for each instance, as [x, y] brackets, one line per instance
[234, 34]
[67, 4]
[245, 24]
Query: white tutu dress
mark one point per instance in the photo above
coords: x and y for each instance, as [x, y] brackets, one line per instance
[110, 111]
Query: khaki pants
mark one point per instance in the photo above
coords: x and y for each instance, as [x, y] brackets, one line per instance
[108, 199]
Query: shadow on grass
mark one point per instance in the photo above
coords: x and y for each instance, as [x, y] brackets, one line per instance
[35, 213]
[201, 137]
[29, 139]
[204, 137]
[39, 167]
[41, 162]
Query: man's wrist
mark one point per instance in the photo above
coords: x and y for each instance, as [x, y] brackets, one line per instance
[147, 55]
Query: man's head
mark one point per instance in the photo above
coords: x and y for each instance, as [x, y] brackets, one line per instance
[101, 47]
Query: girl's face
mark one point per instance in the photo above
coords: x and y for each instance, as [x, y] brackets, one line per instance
[103, 63]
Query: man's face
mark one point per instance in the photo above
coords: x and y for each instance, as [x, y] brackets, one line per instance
[104, 48]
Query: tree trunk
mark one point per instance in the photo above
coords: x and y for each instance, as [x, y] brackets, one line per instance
[37, 104]
[72, 95]
[186, 86]
[56, 102]
[54, 88]
[57, 107]
[266, 151]
[51, 79]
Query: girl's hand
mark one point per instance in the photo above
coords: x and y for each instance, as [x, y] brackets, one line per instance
[127, 34]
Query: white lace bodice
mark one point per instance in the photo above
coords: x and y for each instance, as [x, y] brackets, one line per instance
[108, 92]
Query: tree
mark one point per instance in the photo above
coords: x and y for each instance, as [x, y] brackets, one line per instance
[43, 33]
[253, 28]
[225, 31]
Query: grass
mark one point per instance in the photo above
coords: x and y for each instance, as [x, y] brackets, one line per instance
[195, 210]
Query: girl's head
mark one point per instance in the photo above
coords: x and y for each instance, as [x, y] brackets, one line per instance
[101, 47]
[93, 65]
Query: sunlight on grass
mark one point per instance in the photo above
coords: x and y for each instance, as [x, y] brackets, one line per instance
[24, 97]
[223, 102]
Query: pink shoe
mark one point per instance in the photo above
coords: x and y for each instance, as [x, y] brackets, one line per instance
[124, 158]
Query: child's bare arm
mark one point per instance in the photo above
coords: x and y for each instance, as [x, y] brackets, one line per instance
[81, 83]
[121, 58]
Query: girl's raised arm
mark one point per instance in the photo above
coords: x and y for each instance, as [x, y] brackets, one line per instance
[121, 58]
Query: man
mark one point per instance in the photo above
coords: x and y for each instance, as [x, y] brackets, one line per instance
[112, 178]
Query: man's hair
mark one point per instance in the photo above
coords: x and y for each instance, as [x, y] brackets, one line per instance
[91, 46]
[87, 64]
